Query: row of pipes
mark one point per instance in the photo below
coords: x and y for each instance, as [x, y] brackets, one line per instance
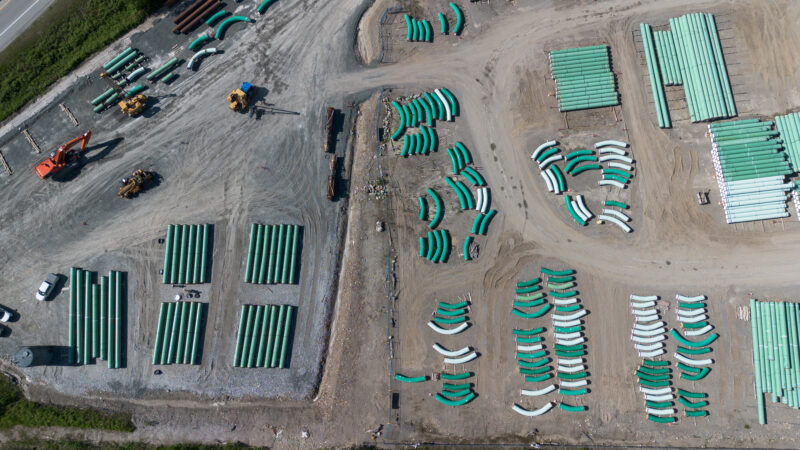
[95, 318]
[186, 254]
[264, 336]
[583, 78]
[179, 333]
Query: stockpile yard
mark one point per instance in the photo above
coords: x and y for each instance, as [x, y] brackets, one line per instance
[320, 224]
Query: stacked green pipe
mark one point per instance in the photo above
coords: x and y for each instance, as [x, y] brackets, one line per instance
[690, 54]
[161, 71]
[187, 253]
[776, 353]
[179, 334]
[95, 318]
[264, 336]
[750, 168]
[659, 97]
[789, 128]
[273, 254]
[583, 78]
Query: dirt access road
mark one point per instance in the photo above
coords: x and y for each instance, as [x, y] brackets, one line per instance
[497, 72]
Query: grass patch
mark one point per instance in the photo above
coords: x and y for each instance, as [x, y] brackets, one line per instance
[16, 410]
[57, 42]
[77, 445]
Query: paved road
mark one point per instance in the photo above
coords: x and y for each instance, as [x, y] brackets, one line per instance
[17, 15]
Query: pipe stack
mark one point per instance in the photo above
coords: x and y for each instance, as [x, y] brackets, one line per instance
[776, 353]
[264, 336]
[689, 54]
[95, 318]
[179, 333]
[186, 254]
[751, 168]
[583, 78]
[194, 14]
[789, 128]
[273, 254]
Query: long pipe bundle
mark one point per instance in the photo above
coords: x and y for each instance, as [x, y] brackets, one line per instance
[583, 78]
[776, 353]
[95, 318]
[179, 333]
[789, 128]
[264, 335]
[186, 253]
[273, 254]
[689, 54]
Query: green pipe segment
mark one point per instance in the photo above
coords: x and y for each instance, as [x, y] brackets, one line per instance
[569, 348]
[546, 154]
[577, 153]
[228, 22]
[570, 408]
[214, 18]
[262, 342]
[237, 356]
[693, 351]
[534, 364]
[659, 405]
[104, 318]
[571, 308]
[562, 184]
[562, 273]
[688, 394]
[184, 315]
[572, 376]
[573, 392]
[564, 294]
[467, 242]
[87, 312]
[561, 286]
[455, 387]
[95, 294]
[530, 304]
[661, 419]
[167, 333]
[156, 74]
[262, 8]
[697, 377]
[694, 405]
[696, 413]
[537, 371]
[574, 329]
[162, 317]
[485, 221]
[187, 341]
[118, 58]
[460, 402]
[532, 332]
[453, 313]
[654, 370]
[264, 251]
[653, 384]
[459, 19]
[538, 378]
[688, 369]
[455, 377]
[683, 341]
[278, 334]
[198, 320]
[531, 282]
[197, 43]
[561, 279]
[535, 296]
[529, 340]
[653, 363]
[443, 23]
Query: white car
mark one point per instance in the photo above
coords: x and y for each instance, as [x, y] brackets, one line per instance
[5, 315]
[46, 288]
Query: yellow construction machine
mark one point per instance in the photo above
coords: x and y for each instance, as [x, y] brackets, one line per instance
[133, 185]
[130, 106]
[239, 99]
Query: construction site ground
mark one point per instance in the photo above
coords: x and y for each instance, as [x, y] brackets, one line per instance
[229, 170]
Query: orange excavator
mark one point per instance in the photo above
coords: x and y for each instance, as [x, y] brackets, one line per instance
[63, 156]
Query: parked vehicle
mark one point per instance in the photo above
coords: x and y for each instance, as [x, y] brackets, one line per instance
[46, 288]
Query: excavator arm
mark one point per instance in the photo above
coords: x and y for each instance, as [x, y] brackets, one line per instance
[62, 156]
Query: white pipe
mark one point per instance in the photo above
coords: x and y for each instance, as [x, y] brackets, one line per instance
[569, 323]
[649, 347]
[565, 301]
[450, 353]
[539, 392]
[574, 335]
[651, 391]
[615, 150]
[444, 101]
[576, 341]
[480, 200]
[692, 319]
[690, 312]
[542, 147]
[571, 369]
[578, 210]
[543, 165]
[605, 143]
[643, 305]
[693, 362]
[553, 180]
[574, 384]
[648, 340]
[573, 316]
[570, 361]
[529, 348]
[583, 207]
[697, 298]
[652, 354]
[611, 183]
[462, 360]
[538, 412]
[659, 398]
[644, 298]
[660, 411]
[620, 166]
[614, 220]
[652, 326]
[644, 312]
[617, 214]
[487, 199]
[605, 158]
[651, 318]
[649, 333]
[444, 331]
[544, 175]
[698, 331]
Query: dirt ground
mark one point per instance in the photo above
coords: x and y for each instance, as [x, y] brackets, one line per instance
[231, 171]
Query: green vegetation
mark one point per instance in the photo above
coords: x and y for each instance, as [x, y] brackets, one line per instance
[59, 41]
[16, 410]
[77, 445]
